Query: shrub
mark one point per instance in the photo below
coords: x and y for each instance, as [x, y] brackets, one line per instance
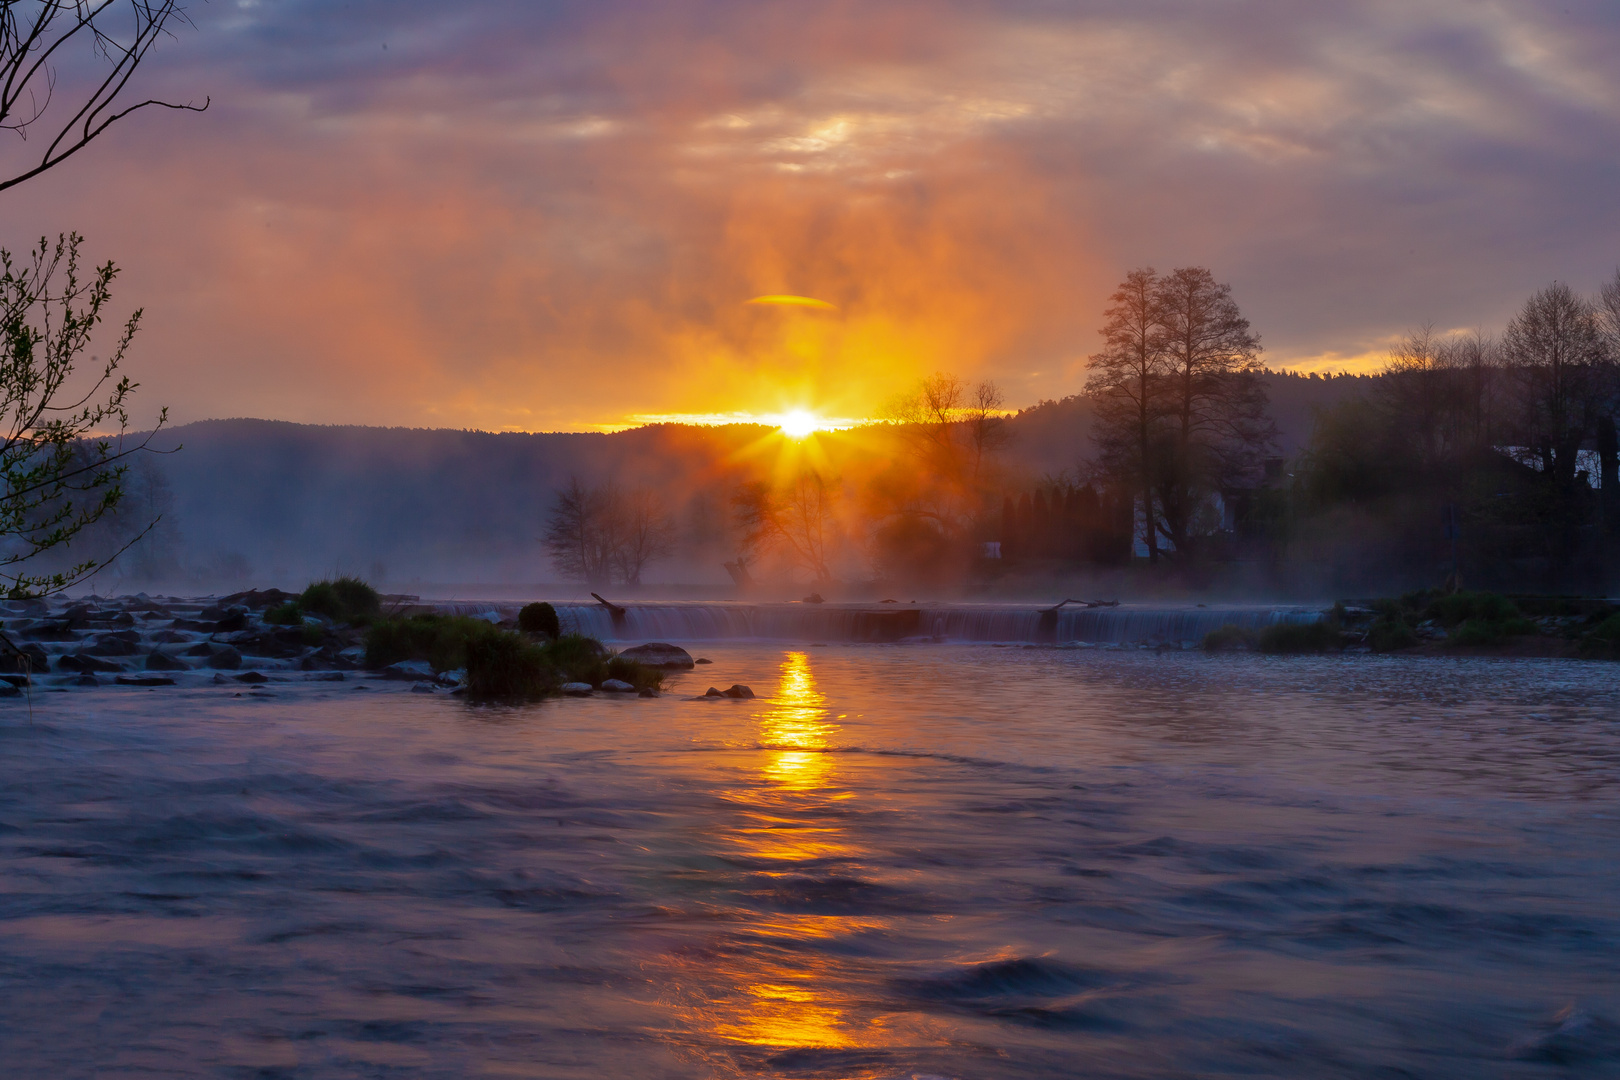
[1299, 638]
[540, 618]
[346, 600]
[1461, 607]
[284, 614]
[638, 675]
[1230, 637]
[1389, 634]
[441, 640]
[577, 658]
[506, 665]
[1608, 630]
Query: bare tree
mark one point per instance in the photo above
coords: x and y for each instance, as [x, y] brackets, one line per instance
[575, 538]
[1213, 401]
[1125, 384]
[796, 520]
[1563, 377]
[952, 432]
[36, 36]
[640, 531]
[601, 535]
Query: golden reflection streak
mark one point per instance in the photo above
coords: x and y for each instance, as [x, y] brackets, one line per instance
[794, 728]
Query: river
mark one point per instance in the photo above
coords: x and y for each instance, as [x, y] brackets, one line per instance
[903, 861]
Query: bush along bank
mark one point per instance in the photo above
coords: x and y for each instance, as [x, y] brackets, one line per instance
[505, 664]
[1432, 622]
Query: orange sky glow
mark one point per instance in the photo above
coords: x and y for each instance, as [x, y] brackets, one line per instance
[584, 217]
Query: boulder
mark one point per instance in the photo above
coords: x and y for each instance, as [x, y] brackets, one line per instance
[256, 599]
[410, 671]
[647, 691]
[170, 637]
[158, 660]
[144, 680]
[8, 690]
[84, 664]
[617, 686]
[224, 658]
[33, 659]
[115, 645]
[659, 654]
[576, 689]
[250, 677]
[703, 660]
[738, 690]
[202, 648]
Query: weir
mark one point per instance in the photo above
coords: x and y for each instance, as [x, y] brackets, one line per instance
[876, 623]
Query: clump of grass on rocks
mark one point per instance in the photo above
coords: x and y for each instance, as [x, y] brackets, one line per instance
[1231, 638]
[501, 663]
[346, 600]
[1293, 638]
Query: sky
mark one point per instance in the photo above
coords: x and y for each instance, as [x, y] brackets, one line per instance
[531, 215]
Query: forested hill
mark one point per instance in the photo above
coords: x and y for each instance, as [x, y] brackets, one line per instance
[276, 502]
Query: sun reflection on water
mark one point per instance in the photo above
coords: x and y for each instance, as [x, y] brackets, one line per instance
[759, 986]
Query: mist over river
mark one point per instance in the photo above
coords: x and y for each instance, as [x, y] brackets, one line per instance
[898, 861]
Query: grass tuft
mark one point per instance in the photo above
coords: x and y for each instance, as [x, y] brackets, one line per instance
[1291, 638]
[540, 618]
[1230, 638]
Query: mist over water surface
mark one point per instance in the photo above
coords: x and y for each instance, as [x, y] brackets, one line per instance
[948, 861]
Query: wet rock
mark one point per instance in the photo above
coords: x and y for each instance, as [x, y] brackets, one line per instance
[713, 691]
[703, 660]
[8, 689]
[225, 658]
[410, 671]
[617, 686]
[144, 680]
[202, 648]
[255, 599]
[738, 690]
[250, 677]
[577, 689]
[169, 637]
[33, 659]
[158, 660]
[282, 643]
[647, 692]
[50, 632]
[84, 664]
[84, 680]
[423, 688]
[115, 645]
[659, 654]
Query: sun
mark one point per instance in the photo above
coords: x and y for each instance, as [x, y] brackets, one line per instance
[799, 423]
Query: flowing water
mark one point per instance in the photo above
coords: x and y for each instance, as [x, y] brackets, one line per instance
[898, 861]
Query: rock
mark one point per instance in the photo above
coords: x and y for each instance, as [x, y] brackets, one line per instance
[647, 691]
[33, 659]
[738, 690]
[85, 664]
[144, 680]
[454, 677]
[703, 660]
[158, 660]
[114, 645]
[220, 680]
[225, 658]
[254, 600]
[84, 680]
[410, 671]
[617, 686]
[577, 689]
[422, 688]
[324, 676]
[170, 637]
[713, 691]
[8, 690]
[250, 677]
[202, 648]
[660, 655]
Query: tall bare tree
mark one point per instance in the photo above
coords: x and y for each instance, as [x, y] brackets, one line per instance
[37, 36]
[1126, 385]
[1213, 400]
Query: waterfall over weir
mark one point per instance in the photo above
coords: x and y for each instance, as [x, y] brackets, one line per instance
[830, 623]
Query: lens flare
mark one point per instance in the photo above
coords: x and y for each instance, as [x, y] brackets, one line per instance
[800, 423]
